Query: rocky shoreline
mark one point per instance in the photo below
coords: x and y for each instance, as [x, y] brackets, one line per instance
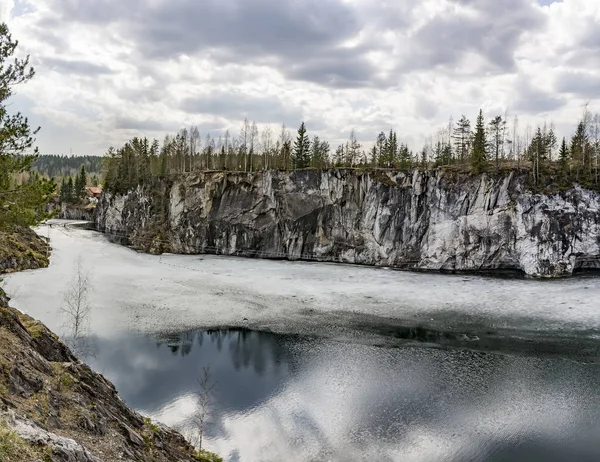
[22, 249]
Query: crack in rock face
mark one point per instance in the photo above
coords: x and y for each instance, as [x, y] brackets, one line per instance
[421, 221]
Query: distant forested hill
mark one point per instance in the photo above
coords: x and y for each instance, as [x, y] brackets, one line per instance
[60, 166]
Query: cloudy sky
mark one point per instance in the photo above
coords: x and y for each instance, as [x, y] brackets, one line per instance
[108, 70]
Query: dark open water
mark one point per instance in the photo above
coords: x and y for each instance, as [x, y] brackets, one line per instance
[287, 398]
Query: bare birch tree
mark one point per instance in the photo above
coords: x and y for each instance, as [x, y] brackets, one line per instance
[204, 404]
[267, 146]
[244, 135]
[77, 309]
[195, 142]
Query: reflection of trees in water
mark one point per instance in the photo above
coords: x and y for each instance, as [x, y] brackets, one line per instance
[246, 348]
[180, 343]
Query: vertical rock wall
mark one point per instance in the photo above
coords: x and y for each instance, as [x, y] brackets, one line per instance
[426, 221]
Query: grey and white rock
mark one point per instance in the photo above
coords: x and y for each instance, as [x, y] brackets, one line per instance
[65, 449]
[423, 221]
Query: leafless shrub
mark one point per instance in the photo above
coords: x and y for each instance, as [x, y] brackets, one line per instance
[204, 405]
[76, 311]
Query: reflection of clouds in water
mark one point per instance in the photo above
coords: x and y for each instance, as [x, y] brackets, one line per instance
[291, 398]
[325, 414]
[177, 413]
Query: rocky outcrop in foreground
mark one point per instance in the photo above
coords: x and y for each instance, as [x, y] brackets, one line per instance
[22, 249]
[438, 221]
[55, 408]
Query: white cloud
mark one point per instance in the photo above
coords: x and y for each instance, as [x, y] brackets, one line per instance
[117, 69]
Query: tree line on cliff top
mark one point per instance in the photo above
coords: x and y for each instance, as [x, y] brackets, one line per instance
[487, 146]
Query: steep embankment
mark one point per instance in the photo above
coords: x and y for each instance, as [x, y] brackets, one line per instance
[425, 221]
[76, 212]
[22, 249]
[70, 211]
[54, 408]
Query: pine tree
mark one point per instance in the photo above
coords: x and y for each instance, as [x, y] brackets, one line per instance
[20, 204]
[379, 151]
[462, 138]
[497, 126]
[374, 157]
[580, 147]
[478, 157]
[442, 153]
[338, 157]
[80, 184]
[301, 154]
[563, 158]
[63, 191]
[550, 141]
[353, 150]
[69, 194]
[391, 156]
[405, 157]
[319, 153]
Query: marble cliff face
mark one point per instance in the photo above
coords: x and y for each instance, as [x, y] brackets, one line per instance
[422, 220]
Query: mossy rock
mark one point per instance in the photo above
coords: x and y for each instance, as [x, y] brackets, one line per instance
[206, 456]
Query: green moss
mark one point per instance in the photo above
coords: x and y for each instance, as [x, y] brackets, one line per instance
[382, 178]
[22, 249]
[47, 455]
[12, 446]
[150, 425]
[35, 329]
[67, 381]
[206, 456]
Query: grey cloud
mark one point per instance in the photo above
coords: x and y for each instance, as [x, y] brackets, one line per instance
[128, 123]
[237, 106]
[272, 27]
[425, 108]
[215, 128]
[591, 36]
[492, 30]
[336, 71]
[585, 52]
[303, 39]
[532, 100]
[98, 11]
[315, 124]
[579, 83]
[76, 66]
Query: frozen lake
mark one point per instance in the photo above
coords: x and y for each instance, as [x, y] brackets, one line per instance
[330, 365]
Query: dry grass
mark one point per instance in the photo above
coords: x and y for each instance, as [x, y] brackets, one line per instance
[13, 448]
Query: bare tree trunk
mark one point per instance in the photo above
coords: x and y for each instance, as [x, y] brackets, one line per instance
[204, 403]
[245, 130]
[77, 310]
